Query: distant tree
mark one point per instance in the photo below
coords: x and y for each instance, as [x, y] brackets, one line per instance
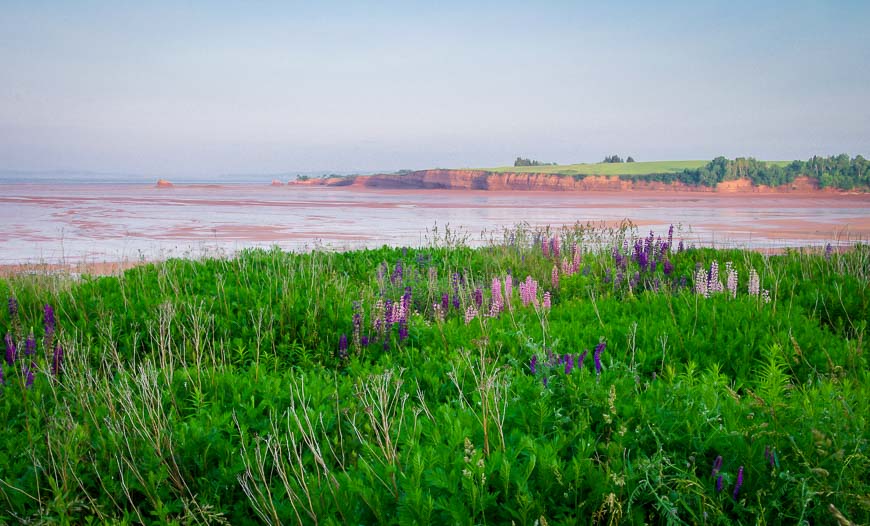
[630, 159]
[613, 159]
[529, 162]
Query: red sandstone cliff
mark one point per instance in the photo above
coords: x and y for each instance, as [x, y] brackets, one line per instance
[500, 181]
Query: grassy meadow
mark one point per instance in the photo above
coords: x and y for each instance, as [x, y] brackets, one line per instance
[565, 376]
[635, 168]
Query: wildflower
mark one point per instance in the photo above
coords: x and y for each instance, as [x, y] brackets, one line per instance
[10, 350]
[681, 247]
[671, 236]
[342, 346]
[754, 286]
[29, 345]
[364, 340]
[717, 465]
[478, 297]
[731, 279]
[701, 283]
[607, 275]
[445, 302]
[2, 382]
[713, 283]
[765, 296]
[575, 252]
[545, 248]
[470, 314]
[529, 291]
[597, 356]
[13, 308]
[57, 360]
[533, 364]
[829, 250]
[569, 363]
[554, 277]
[28, 376]
[497, 301]
[403, 330]
[667, 267]
[719, 484]
[738, 483]
[556, 246]
[49, 321]
[456, 301]
[397, 273]
[547, 300]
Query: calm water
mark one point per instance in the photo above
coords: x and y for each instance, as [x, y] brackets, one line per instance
[110, 222]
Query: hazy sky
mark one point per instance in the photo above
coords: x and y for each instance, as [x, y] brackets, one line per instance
[255, 86]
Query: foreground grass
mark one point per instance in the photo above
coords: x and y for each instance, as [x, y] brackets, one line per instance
[404, 386]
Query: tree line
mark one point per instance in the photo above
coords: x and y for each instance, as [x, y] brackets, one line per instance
[837, 171]
[530, 162]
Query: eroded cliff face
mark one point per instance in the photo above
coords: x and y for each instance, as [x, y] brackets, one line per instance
[504, 181]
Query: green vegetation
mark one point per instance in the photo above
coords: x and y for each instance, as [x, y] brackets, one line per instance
[636, 168]
[835, 172]
[578, 376]
[529, 162]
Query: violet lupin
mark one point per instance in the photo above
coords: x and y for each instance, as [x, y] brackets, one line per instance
[719, 484]
[49, 321]
[478, 297]
[671, 236]
[533, 364]
[30, 345]
[28, 375]
[396, 277]
[738, 484]
[717, 465]
[445, 302]
[13, 309]
[57, 360]
[2, 381]
[597, 356]
[11, 351]
[342, 346]
[569, 363]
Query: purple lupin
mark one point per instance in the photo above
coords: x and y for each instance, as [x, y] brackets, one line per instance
[29, 345]
[10, 350]
[597, 356]
[57, 360]
[717, 465]
[738, 483]
[28, 375]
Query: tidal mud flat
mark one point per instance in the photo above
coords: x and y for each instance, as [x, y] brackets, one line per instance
[97, 223]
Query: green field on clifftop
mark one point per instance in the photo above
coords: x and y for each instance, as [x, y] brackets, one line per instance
[636, 168]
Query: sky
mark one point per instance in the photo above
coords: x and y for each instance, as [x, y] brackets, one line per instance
[220, 87]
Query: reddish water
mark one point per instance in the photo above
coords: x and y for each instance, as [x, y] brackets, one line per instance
[101, 222]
